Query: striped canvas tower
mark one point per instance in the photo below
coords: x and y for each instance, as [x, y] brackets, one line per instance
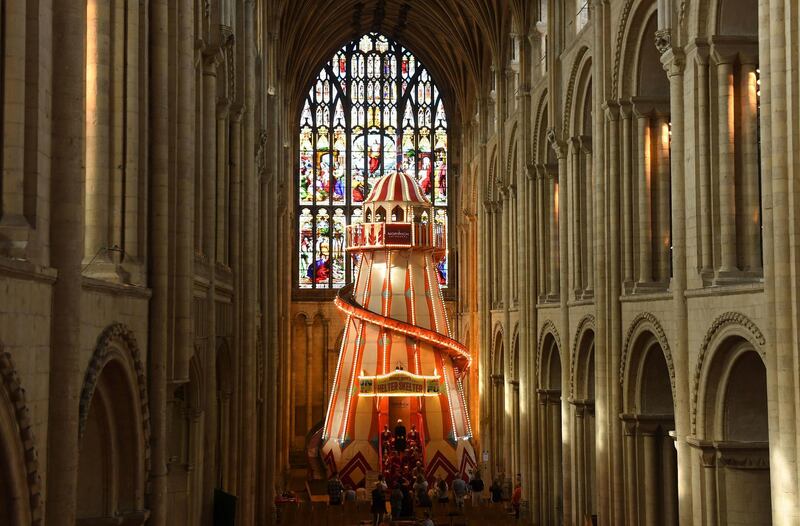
[397, 359]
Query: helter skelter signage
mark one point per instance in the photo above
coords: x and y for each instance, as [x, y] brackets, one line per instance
[399, 383]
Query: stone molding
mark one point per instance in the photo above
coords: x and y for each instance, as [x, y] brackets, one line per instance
[547, 328]
[623, 24]
[538, 123]
[725, 321]
[576, 68]
[641, 322]
[116, 333]
[16, 394]
[586, 323]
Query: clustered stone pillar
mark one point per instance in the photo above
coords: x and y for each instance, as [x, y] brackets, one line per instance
[662, 198]
[541, 201]
[627, 197]
[748, 209]
[552, 223]
[577, 242]
[587, 226]
[158, 117]
[209, 170]
[704, 164]
[725, 162]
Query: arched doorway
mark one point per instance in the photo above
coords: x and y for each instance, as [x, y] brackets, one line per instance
[651, 472]
[111, 465]
[584, 429]
[549, 394]
[735, 443]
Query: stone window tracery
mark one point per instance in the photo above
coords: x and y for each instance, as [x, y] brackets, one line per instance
[373, 110]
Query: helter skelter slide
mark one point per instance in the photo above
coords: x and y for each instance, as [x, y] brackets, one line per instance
[397, 360]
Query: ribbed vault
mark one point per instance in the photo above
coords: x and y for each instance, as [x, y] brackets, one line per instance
[455, 39]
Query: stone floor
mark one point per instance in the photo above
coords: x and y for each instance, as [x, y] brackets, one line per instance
[358, 514]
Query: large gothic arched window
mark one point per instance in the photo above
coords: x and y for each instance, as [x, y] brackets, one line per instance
[372, 110]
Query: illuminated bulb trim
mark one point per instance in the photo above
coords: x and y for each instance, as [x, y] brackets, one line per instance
[336, 380]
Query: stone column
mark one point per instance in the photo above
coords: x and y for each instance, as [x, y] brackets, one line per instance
[559, 501]
[545, 469]
[674, 64]
[631, 472]
[515, 449]
[708, 459]
[670, 484]
[541, 218]
[309, 358]
[580, 461]
[133, 133]
[67, 249]
[662, 231]
[184, 234]
[159, 131]
[704, 161]
[748, 210]
[726, 163]
[644, 205]
[650, 477]
[627, 197]
[98, 133]
[575, 226]
[211, 60]
[588, 184]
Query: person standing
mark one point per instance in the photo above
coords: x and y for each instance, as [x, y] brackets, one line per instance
[476, 486]
[335, 490]
[400, 436]
[378, 504]
[516, 499]
[459, 491]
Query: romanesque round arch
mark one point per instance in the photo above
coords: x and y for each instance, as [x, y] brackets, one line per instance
[645, 322]
[112, 344]
[548, 328]
[510, 169]
[29, 482]
[586, 324]
[512, 359]
[497, 336]
[726, 325]
[577, 66]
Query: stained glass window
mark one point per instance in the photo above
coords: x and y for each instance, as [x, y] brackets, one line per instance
[372, 110]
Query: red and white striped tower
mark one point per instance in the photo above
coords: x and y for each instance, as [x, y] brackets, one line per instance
[397, 359]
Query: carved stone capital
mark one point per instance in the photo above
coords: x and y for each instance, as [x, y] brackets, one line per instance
[663, 40]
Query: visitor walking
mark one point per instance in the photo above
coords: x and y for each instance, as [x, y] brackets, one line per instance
[378, 504]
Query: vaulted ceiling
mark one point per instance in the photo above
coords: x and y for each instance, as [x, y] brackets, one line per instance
[455, 39]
